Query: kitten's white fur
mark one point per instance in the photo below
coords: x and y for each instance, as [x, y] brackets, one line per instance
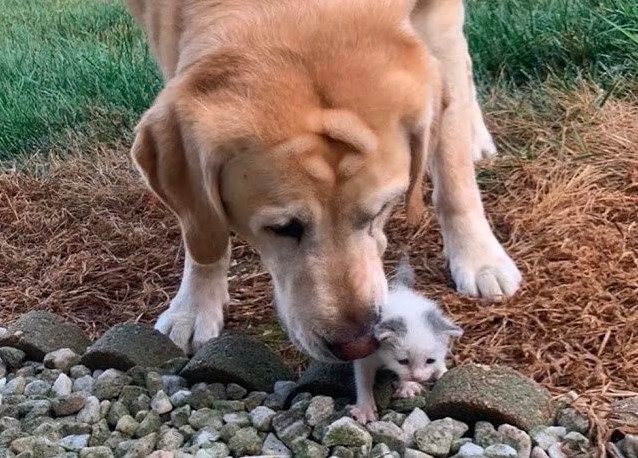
[423, 342]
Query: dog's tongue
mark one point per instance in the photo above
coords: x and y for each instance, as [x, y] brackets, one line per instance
[357, 349]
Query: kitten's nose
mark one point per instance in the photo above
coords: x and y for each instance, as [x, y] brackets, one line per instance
[420, 375]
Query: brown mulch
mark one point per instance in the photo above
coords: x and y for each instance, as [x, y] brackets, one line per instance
[82, 238]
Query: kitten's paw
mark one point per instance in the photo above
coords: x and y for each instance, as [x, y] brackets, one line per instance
[364, 413]
[408, 389]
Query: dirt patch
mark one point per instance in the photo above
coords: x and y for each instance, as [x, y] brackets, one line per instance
[85, 240]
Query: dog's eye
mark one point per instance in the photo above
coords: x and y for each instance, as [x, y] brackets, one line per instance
[430, 361]
[294, 230]
[404, 362]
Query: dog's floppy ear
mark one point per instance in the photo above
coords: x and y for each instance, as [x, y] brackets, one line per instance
[187, 181]
[348, 128]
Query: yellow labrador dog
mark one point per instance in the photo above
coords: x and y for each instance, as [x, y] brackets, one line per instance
[299, 125]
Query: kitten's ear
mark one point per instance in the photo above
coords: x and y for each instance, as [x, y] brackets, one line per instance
[441, 324]
[405, 273]
[385, 336]
[390, 330]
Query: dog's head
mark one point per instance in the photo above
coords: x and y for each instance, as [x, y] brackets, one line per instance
[307, 169]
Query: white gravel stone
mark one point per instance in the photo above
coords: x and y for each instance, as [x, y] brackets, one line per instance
[63, 386]
[161, 403]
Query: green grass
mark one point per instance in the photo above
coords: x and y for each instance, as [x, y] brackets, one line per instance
[79, 69]
[523, 41]
[69, 68]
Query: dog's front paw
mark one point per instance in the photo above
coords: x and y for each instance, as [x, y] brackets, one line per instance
[480, 266]
[191, 326]
[364, 413]
[408, 389]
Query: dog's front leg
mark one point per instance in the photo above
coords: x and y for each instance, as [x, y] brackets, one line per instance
[196, 314]
[478, 263]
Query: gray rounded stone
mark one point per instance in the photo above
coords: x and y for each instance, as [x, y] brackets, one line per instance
[306, 448]
[348, 433]
[38, 333]
[485, 434]
[517, 439]
[84, 384]
[62, 386]
[127, 425]
[240, 419]
[236, 392]
[180, 398]
[273, 446]
[261, 418]
[68, 405]
[573, 420]
[99, 433]
[127, 345]
[470, 450]
[412, 453]
[496, 394]
[90, 413]
[14, 386]
[435, 439]
[233, 358]
[170, 440]
[394, 417]
[290, 426]
[149, 424]
[546, 437]
[99, 451]
[416, 420]
[407, 405]
[179, 416]
[320, 408]
[205, 417]
[255, 399]
[37, 388]
[388, 434]
[12, 357]
[245, 442]
[216, 450]
[500, 451]
[205, 437]
[62, 359]
[576, 444]
[75, 442]
[109, 384]
[342, 452]
[161, 403]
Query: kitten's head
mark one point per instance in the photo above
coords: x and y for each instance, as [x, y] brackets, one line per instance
[414, 336]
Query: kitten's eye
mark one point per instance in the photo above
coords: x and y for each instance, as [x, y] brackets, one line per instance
[404, 362]
[294, 230]
[430, 361]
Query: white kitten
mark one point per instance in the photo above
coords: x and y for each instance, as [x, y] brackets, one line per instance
[414, 337]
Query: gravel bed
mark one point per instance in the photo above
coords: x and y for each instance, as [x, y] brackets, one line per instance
[58, 408]
[235, 398]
